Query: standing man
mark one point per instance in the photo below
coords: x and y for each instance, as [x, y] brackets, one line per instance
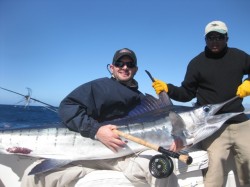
[84, 109]
[214, 76]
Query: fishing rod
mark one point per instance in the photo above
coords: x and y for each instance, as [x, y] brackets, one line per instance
[184, 158]
[28, 98]
[161, 165]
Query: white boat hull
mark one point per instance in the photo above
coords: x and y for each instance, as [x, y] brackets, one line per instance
[12, 168]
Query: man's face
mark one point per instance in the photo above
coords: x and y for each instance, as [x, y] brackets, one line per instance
[124, 70]
[216, 42]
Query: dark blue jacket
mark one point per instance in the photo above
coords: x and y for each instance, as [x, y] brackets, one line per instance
[96, 101]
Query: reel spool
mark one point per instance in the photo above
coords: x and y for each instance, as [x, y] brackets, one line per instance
[161, 166]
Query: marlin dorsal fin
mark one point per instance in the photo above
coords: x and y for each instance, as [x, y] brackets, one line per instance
[150, 103]
[148, 109]
[164, 98]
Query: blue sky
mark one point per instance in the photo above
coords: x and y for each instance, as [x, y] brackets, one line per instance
[53, 46]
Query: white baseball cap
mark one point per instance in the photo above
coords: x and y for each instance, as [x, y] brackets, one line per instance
[216, 26]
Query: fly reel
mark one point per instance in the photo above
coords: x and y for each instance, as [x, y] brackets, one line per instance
[161, 166]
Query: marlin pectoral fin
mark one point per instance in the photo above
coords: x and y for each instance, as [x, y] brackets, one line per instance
[48, 165]
[177, 123]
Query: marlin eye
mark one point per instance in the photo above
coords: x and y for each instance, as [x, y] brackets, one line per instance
[206, 108]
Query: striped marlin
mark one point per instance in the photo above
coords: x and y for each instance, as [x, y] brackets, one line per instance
[155, 120]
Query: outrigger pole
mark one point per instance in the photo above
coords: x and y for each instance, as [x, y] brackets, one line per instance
[28, 97]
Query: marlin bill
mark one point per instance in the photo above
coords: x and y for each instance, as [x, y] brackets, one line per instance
[155, 120]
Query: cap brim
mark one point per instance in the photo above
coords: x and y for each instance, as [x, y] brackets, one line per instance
[217, 30]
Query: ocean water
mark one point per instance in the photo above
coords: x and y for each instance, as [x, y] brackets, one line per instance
[19, 116]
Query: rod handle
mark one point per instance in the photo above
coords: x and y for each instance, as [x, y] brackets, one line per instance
[137, 140]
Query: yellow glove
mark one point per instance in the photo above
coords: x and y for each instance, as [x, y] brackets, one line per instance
[244, 89]
[159, 86]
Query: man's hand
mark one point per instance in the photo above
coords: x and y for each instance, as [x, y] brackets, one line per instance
[244, 89]
[110, 139]
[159, 86]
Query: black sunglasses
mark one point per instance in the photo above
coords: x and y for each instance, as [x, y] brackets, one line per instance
[216, 38]
[121, 64]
